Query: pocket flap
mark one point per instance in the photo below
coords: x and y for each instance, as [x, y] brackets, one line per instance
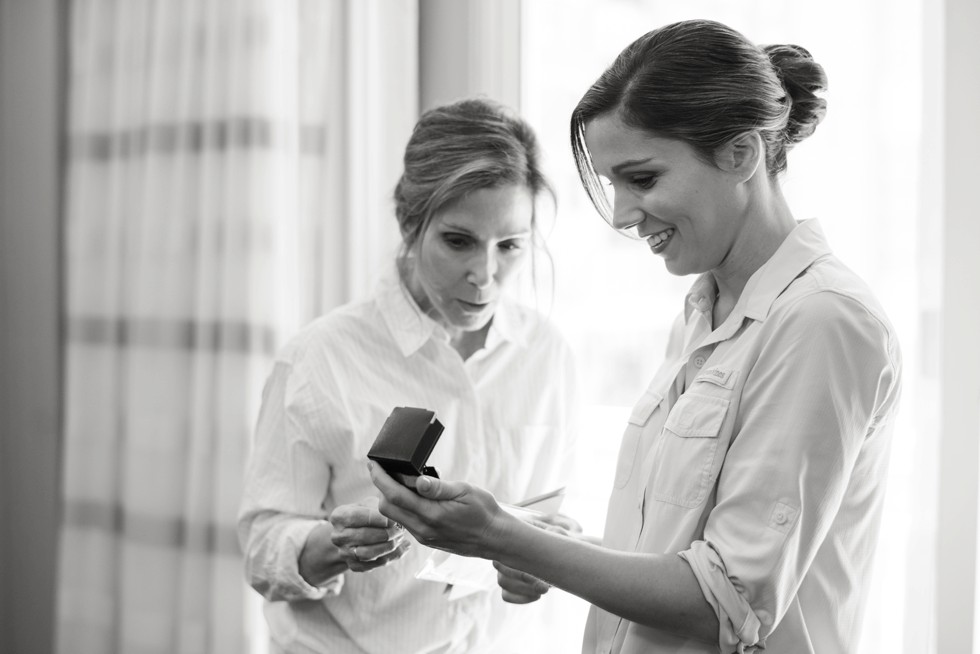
[697, 416]
[723, 377]
[644, 408]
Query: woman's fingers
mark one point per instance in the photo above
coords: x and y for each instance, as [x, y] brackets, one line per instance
[439, 490]
[448, 515]
[344, 536]
[517, 598]
[363, 514]
[398, 503]
[567, 523]
[365, 552]
[364, 537]
[362, 561]
[429, 488]
[519, 587]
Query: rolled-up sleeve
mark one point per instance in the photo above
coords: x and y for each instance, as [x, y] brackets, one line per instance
[285, 483]
[826, 374]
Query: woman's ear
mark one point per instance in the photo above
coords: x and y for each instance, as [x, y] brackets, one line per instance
[742, 155]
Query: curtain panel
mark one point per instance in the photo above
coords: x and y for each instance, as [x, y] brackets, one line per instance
[211, 174]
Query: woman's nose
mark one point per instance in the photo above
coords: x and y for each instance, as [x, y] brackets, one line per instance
[482, 270]
[625, 216]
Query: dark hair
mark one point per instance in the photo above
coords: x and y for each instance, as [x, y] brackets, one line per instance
[460, 148]
[704, 83]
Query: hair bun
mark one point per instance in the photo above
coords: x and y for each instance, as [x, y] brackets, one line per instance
[802, 78]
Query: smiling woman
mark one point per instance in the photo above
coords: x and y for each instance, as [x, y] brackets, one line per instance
[867, 174]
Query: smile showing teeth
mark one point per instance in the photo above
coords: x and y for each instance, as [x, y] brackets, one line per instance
[660, 237]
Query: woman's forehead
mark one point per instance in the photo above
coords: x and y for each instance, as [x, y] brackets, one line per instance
[613, 145]
[494, 211]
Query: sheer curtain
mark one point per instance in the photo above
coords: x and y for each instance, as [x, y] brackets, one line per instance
[867, 174]
[223, 187]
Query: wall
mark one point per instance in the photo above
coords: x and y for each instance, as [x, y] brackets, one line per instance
[956, 552]
[470, 47]
[30, 62]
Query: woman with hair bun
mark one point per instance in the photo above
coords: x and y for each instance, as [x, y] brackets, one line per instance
[440, 333]
[750, 480]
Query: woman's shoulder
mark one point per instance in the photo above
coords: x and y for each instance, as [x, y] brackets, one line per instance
[829, 285]
[337, 331]
[828, 296]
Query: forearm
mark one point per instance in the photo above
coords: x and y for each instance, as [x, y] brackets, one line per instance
[272, 545]
[654, 590]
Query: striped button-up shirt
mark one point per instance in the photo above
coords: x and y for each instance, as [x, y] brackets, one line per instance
[758, 454]
[507, 412]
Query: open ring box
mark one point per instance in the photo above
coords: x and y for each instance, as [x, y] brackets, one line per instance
[404, 443]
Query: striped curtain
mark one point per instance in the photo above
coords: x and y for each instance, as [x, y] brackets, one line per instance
[210, 167]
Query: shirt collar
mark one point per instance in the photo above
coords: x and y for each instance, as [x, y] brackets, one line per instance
[408, 324]
[804, 245]
[412, 328]
[506, 326]
[702, 295]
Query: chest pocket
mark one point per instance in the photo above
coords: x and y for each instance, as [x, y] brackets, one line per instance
[684, 469]
[628, 459]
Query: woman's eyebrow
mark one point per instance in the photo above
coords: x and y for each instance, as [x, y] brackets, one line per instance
[468, 232]
[632, 162]
[456, 228]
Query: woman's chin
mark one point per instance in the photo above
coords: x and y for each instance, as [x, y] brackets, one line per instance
[466, 321]
[678, 268]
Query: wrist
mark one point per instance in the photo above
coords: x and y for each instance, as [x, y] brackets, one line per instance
[319, 560]
[501, 536]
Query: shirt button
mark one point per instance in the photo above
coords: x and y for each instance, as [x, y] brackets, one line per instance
[780, 518]
[698, 361]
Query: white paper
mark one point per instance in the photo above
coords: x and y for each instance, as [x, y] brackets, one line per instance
[466, 574]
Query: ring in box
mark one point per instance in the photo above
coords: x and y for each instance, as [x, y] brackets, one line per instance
[405, 441]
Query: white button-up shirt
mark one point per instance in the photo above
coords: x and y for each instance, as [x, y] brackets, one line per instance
[507, 412]
[758, 454]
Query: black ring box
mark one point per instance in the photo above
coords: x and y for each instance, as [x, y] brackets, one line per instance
[405, 441]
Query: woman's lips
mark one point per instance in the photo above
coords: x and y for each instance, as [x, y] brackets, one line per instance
[473, 306]
[658, 242]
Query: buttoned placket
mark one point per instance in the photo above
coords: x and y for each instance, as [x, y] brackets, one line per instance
[470, 464]
[473, 463]
[476, 469]
[699, 343]
[667, 385]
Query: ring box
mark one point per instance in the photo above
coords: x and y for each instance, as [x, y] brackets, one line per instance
[405, 441]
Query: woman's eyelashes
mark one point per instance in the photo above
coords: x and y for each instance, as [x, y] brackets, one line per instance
[457, 241]
[512, 245]
[464, 242]
[643, 181]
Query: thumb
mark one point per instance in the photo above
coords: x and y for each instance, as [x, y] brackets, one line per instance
[438, 489]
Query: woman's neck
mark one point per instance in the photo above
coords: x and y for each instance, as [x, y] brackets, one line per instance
[464, 342]
[468, 343]
[766, 226]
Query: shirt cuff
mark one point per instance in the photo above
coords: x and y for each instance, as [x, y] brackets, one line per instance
[294, 538]
[739, 626]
